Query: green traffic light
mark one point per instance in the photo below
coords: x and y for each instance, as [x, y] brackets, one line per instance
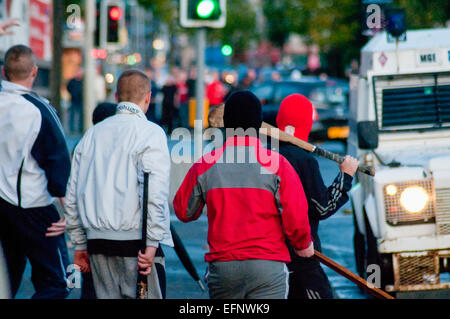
[131, 60]
[205, 8]
[227, 50]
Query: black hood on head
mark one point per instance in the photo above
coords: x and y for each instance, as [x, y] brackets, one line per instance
[243, 110]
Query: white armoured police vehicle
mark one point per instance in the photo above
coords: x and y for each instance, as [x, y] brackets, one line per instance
[400, 123]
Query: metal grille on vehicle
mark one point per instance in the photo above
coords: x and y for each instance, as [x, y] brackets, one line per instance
[419, 271]
[443, 211]
[404, 102]
[397, 214]
[416, 268]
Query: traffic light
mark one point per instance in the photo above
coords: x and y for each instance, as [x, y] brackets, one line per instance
[113, 29]
[203, 13]
[204, 10]
[112, 24]
[226, 50]
[396, 24]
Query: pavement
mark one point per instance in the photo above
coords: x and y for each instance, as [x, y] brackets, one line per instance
[336, 235]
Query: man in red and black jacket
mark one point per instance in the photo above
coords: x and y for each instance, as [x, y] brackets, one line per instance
[254, 200]
[295, 117]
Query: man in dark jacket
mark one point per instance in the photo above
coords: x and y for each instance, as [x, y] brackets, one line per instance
[75, 88]
[295, 117]
[34, 169]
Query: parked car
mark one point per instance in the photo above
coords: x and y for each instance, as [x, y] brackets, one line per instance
[329, 97]
[271, 93]
[331, 104]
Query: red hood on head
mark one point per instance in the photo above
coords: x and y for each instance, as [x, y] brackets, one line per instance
[296, 111]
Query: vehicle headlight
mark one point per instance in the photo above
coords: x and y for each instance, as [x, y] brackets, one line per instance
[414, 199]
[409, 202]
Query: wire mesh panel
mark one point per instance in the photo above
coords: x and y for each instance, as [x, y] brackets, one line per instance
[416, 269]
[443, 211]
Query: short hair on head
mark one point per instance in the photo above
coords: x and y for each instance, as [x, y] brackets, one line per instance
[19, 62]
[132, 86]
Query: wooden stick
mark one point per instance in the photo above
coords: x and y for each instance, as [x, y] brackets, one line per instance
[374, 291]
[142, 284]
[274, 132]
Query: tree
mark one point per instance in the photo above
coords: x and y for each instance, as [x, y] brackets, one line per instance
[164, 10]
[335, 25]
[426, 13]
[240, 27]
[282, 18]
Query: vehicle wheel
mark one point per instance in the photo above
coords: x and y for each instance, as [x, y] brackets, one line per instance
[374, 257]
[359, 246]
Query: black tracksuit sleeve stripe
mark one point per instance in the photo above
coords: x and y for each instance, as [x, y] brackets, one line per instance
[50, 149]
[327, 201]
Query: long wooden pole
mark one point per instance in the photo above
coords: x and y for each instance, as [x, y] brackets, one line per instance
[374, 291]
[274, 132]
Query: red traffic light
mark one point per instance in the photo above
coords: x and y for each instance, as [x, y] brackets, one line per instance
[115, 13]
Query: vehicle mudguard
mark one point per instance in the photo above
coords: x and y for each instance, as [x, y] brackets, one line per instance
[357, 200]
[371, 211]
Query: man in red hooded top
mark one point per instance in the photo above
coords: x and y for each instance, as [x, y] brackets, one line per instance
[295, 117]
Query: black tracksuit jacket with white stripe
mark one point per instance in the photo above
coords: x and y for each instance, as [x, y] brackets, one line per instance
[323, 201]
[34, 160]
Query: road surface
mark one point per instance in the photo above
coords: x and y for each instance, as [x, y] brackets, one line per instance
[336, 235]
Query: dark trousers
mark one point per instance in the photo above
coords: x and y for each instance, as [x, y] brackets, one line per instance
[308, 280]
[87, 287]
[22, 234]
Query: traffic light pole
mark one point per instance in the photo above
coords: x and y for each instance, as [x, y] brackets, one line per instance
[200, 92]
[89, 64]
[56, 71]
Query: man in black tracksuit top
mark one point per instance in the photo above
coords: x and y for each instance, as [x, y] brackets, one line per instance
[295, 117]
[34, 169]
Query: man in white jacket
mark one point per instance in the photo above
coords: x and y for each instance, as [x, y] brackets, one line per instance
[105, 191]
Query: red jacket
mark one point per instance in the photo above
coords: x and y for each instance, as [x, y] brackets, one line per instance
[252, 204]
[215, 93]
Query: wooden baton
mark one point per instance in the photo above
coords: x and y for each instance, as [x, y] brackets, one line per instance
[274, 132]
[374, 291]
[142, 284]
